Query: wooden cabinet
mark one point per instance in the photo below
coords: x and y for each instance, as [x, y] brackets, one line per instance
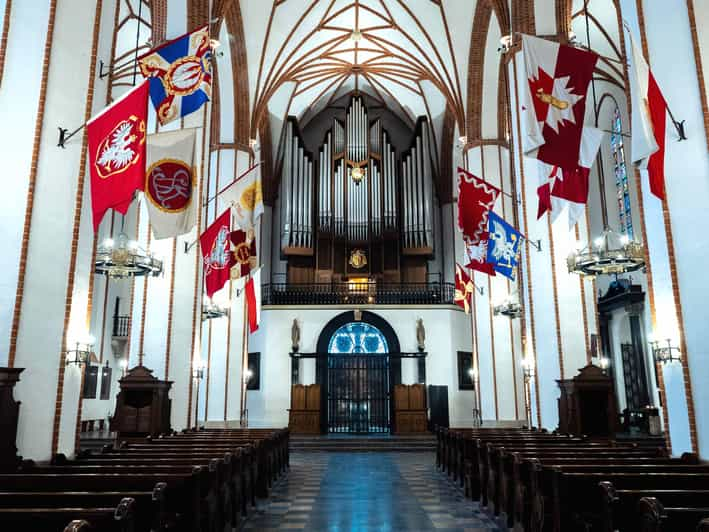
[409, 408]
[9, 414]
[587, 404]
[304, 413]
[142, 406]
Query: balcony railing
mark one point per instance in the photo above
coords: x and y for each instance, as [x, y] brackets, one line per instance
[358, 294]
[121, 326]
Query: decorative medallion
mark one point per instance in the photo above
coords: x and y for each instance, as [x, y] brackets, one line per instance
[168, 185]
[358, 259]
[357, 174]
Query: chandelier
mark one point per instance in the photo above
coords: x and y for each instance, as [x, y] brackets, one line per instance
[610, 254]
[509, 307]
[212, 309]
[124, 258]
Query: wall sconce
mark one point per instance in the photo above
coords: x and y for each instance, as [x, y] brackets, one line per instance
[81, 352]
[604, 363]
[509, 307]
[248, 374]
[664, 354]
[124, 365]
[198, 369]
[473, 374]
[528, 367]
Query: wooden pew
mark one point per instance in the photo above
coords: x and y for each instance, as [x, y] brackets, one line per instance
[183, 493]
[654, 517]
[620, 506]
[110, 519]
[575, 501]
[516, 489]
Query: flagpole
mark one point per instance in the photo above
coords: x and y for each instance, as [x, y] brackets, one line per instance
[243, 420]
[236, 180]
[477, 418]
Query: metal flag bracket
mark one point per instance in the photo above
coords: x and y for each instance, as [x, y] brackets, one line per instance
[65, 136]
[188, 246]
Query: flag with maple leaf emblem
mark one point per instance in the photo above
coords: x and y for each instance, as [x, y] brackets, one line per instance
[553, 88]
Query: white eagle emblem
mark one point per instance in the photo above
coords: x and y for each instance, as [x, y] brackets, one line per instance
[118, 152]
[504, 250]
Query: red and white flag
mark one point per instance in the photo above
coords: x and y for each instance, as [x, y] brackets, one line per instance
[463, 288]
[561, 188]
[217, 257]
[477, 255]
[553, 91]
[475, 198]
[117, 152]
[244, 253]
[649, 122]
[253, 299]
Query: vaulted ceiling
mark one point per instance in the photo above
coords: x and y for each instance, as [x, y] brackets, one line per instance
[304, 54]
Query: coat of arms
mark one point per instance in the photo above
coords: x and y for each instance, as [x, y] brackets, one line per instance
[358, 259]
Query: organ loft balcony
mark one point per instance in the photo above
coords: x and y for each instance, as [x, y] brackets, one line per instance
[358, 291]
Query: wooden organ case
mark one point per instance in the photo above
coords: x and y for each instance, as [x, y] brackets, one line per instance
[357, 211]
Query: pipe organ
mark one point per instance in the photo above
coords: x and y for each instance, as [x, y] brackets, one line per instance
[374, 210]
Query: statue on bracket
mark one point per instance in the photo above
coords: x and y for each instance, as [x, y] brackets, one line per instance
[295, 335]
[420, 335]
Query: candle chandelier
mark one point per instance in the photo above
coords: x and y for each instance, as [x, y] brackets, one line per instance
[124, 258]
[609, 254]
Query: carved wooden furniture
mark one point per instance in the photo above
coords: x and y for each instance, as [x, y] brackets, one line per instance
[587, 404]
[409, 408]
[142, 406]
[304, 413]
[9, 415]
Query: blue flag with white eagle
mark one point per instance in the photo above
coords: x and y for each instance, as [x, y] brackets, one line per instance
[503, 245]
[180, 73]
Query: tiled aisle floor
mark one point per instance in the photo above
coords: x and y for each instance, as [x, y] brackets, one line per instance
[358, 492]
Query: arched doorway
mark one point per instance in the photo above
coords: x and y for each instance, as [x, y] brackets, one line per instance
[357, 374]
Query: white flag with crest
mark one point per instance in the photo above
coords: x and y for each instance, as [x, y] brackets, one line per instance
[171, 183]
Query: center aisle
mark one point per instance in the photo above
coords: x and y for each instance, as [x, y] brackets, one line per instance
[367, 491]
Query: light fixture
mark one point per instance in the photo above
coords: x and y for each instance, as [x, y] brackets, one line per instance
[82, 351]
[248, 374]
[124, 365]
[357, 174]
[198, 369]
[472, 373]
[528, 367]
[214, 43]
[505, 43]
[604, 363]
[124, 258]
[212, 309]
[356, 35]
[611, 254]
[509, 307]
[665, 354]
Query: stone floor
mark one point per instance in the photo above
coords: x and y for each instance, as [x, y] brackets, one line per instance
[359, 492]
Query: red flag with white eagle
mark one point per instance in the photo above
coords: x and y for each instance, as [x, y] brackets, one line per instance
[217, 256]
[475, 198]
[553, 91]
[649, 122]
[117, 152]
[568, 188]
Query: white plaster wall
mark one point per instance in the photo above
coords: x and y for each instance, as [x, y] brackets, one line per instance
[19, 94]
[687, 185]
[45, 293]
[447, 331]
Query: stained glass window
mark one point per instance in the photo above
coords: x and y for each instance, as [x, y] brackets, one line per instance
[621, 176]
[358, 337]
